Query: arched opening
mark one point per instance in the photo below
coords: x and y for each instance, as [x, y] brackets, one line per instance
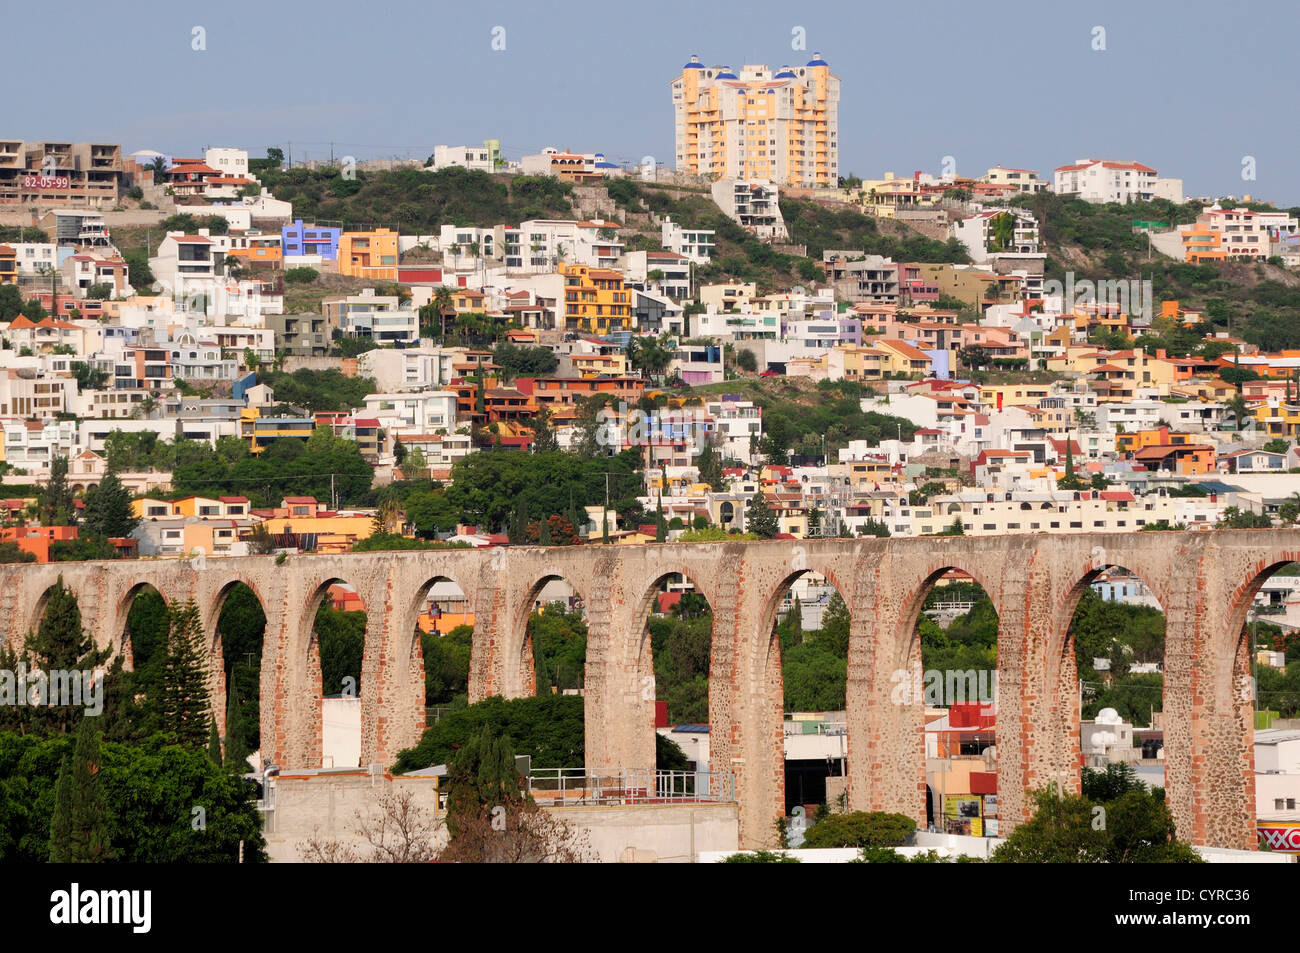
[240, 630]
[336, 651]
[440, 646]
[673, 658]
[555, 638]
[1270, 640]
[810, 628]
[949, 678]
[143, 640]
[1111, 675]
[57, 658]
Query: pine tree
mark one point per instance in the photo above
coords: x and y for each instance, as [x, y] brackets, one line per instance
[482, 776]
[55, 503]
[214, 744]
[544, 533]
[183, 705]
[661, 527]
[60, 643]
[61, 820]
[108, 509]
[88, 828]
[517, 527]
[760, 519]
[710, 468]
[236, 744]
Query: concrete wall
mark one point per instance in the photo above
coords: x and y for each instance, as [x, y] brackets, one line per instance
[1204, 580]
[328, 805]
[662, 833]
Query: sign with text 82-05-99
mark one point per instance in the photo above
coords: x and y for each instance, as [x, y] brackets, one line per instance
[47, 183]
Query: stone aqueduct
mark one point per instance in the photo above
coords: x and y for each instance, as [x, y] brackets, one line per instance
[1205, 582]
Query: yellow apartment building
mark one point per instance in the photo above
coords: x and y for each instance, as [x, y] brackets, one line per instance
[757, 123]
[595, 300]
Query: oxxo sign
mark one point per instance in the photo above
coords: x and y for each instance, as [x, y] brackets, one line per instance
[1279, 835]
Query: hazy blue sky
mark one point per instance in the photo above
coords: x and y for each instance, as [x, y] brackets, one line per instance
[1189, 87]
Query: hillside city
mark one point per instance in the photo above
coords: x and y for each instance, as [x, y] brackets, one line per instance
[238, 353]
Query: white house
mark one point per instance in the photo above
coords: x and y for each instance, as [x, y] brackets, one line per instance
[1107, 180]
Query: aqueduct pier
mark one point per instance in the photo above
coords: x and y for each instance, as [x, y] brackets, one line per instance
[1205, 582]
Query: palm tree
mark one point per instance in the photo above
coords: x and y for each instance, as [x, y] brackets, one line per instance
[442, 301]
[1003, 230]
[1238, 407]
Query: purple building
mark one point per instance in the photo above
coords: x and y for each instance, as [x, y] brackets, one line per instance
[300, 239]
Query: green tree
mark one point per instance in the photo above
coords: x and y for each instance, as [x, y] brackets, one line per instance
[548, 728]
[55, 504]
[88, 813]
[1002, 230]
[214, 744]
[1135, 827]
[860, 829]
[483, 776]
[237, 750]
[761, 519]
[108, 509]
[182, 707]
[341, 637]
[61, 820]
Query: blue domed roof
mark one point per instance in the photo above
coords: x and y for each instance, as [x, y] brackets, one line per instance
[817, 60]
[693, 65]
[726, 73]
[786, 73]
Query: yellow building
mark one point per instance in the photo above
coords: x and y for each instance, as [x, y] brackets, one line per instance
[369, 254]
[1006, 395]
[595, 300]
[333, 532]
[261, 431]
[757, 123]
[599, 365]
[1279, 419]
[1119, 375]
[8, 265]
[900, 359]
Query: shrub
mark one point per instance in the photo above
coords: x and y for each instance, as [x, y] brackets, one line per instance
[300, 276]
[861, 829]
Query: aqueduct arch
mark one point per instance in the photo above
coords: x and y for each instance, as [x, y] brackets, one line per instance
[1204, 580]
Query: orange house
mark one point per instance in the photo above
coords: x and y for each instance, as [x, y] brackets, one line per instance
[369, 254]
[37, 539]
[344, 600]
[266, 254]
[1157, 437]
[1191, 459]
